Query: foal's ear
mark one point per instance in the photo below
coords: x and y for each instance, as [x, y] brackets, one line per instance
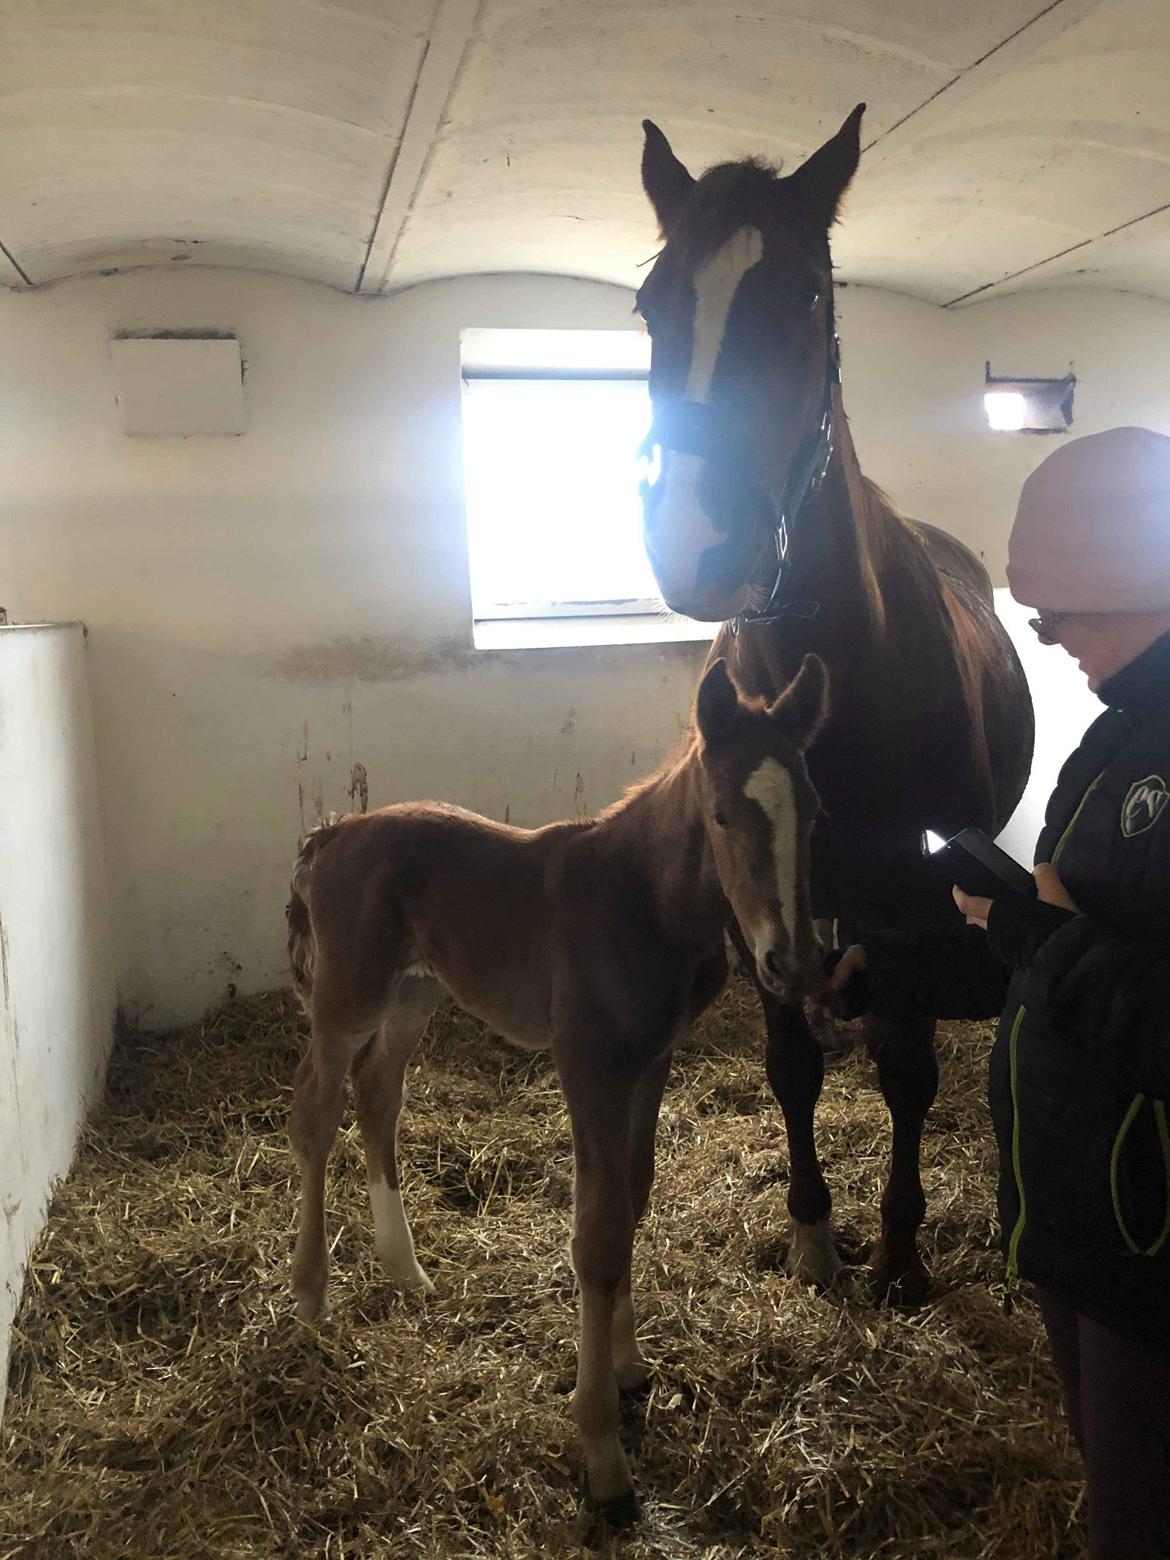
[803, 707]
[717, 707]
[664, 178]
[824, 178]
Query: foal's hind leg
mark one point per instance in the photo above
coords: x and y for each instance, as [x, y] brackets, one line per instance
[378, 1078]
[908, 1074]
[318, 1101]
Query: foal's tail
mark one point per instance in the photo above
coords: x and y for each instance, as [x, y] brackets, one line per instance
[302, 945]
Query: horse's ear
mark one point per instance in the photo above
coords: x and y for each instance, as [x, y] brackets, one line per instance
[824, 178]
[664, 178]
[803, 707]
[717, 706]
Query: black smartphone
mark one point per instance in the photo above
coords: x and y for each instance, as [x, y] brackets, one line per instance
[978, 866]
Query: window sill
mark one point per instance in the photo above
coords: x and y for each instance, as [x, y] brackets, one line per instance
[552, 633]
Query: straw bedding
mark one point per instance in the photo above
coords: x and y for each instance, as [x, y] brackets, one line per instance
[164, 1402]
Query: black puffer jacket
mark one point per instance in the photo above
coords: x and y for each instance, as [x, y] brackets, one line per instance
[1080, 1075]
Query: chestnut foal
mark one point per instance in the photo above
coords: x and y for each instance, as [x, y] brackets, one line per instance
[601, 938]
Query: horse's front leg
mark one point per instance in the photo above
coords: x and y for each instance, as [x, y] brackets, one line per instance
[796, 1072]
[630, 1369]
[600, 1101]
[908, 1074]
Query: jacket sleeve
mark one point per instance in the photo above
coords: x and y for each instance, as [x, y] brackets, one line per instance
[1108, 994]
[1018, 928]
[944, 972]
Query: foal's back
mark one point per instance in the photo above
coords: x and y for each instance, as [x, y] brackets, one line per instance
[427, 889]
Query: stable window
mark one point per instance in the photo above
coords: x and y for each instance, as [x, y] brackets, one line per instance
[552, 425]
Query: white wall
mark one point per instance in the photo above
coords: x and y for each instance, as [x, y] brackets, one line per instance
[56, 975]
[267, 612]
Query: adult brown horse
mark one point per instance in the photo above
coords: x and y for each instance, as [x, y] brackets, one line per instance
[760, 517]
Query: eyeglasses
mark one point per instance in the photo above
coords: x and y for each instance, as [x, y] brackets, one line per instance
[1045, 624]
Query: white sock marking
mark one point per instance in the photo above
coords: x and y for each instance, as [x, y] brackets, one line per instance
[392, 1238]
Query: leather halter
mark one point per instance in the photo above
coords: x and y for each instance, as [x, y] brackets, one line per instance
[690, 428]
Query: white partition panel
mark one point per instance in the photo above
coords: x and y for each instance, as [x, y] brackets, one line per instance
[56, 981]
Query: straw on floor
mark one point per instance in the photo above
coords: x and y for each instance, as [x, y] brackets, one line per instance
[165, 1403]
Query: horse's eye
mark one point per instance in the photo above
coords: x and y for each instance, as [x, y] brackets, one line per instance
[721, 820]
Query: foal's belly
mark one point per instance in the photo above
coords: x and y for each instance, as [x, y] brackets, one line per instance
[513, 1003]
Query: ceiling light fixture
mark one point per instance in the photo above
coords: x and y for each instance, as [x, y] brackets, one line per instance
[1028, 405]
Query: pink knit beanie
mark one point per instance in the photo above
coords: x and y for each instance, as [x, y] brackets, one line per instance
[1092, 530]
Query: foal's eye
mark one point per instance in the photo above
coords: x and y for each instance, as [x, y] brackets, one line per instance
[721, 820]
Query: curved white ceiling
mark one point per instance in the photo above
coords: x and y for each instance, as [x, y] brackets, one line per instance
[370, 144]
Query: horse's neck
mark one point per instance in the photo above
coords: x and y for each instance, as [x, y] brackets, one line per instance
[657, 830]
[848, 532]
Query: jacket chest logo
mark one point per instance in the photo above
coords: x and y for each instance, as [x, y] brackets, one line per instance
[1144, 805]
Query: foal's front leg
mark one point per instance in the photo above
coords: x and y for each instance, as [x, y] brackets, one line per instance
[600, 1101]
[630, 1369]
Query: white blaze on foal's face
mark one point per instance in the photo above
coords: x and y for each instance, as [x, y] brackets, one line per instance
[770, 785]
[716, 283]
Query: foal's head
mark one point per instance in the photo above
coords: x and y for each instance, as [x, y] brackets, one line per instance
[758, 809]
[740, 308]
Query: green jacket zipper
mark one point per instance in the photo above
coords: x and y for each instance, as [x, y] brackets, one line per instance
[1013, 1270]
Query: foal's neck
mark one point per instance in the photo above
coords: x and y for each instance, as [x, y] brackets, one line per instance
[657, 828]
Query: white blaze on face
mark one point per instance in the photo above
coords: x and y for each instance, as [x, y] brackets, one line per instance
[771, 786]
[682, 515]
[716, 284]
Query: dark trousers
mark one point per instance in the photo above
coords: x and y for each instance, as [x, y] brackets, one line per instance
[1117, 1398]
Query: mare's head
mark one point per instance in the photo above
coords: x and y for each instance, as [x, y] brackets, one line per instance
[758, 810]
[740, 308]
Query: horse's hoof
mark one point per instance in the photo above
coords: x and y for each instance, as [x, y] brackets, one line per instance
[812, 1256]
[905, 1286]
[622, 1511]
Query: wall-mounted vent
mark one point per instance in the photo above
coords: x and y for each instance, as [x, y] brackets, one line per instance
[179, 384]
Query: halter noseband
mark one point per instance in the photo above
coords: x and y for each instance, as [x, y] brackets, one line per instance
[689, 428]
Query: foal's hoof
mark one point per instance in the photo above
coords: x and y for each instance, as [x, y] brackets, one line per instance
[311, 1304]
[622, 1511]
[631, 1375]
[905, 1285]
[411, 1280]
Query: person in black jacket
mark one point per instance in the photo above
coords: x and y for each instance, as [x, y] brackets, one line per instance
[1079, 1083]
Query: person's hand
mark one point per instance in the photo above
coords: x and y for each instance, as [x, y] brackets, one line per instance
[1050, 889]
[973, 906]
[828, 999]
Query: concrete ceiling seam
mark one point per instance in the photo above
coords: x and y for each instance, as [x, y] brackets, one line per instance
[947, 86]
[1097, 238]
[438, 76]
[12, 274]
